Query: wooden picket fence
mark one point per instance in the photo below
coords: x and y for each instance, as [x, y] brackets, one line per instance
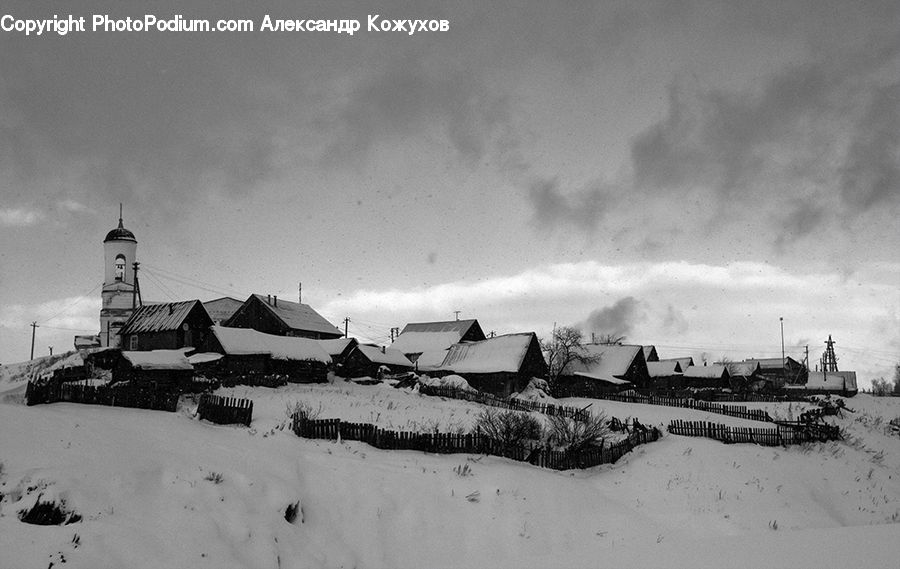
[514, 404]
[470, 443]
[225, 410]
[53, 392]
[785, 433]
[738, 411]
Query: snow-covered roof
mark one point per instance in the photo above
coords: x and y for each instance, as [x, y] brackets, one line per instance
[836, 380]
[336, 346]
[246, 341]
[498, 354]
[204, 357]
[612, 361]
[418, 337]
[299, 316]
[705, 372]
[649, 353]
[159, 317]
[742, 369]
[774, 363]
[604, 378]
[663, 369]
[158, 359]
[684, 363]
[430, 361]
[388, 357]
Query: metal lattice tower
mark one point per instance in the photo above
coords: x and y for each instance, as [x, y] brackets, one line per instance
[829, 360]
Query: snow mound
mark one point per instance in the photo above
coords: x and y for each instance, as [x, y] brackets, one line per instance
[537, 390]
[452, 380]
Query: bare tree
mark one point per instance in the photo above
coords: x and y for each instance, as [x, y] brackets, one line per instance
[565, 347]
[574, 435]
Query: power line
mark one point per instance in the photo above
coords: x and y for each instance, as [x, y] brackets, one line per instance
[165, 290]
[76, 301]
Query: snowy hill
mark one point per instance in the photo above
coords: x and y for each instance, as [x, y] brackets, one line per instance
[158, 489]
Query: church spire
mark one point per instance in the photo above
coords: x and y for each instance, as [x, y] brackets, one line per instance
[120, 216]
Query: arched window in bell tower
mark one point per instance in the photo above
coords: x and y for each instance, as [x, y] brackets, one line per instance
[120, 267]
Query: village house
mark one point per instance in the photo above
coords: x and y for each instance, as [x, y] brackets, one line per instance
[781, 371]
[664, 374]
[280, 317]
[165, 370]
[365, 360]
[500, 365]
[338, 349]
[249, 352]
[166, 326]
[715, 375]
[613, 367]
[221, 309]
[416, 338]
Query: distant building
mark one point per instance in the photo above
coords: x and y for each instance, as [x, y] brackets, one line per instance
[715, 375]
[167, 326]
[366, 360]
[419, 337]
[280, 317]
[221, 309]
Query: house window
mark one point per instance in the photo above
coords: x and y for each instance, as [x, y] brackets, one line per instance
[134, 342]
[120, 267]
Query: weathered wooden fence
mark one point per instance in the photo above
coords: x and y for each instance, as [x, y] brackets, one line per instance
[738, 411]
[335, 429]
[785, 433]
[225, 410]
[515, 404]
[52, 392]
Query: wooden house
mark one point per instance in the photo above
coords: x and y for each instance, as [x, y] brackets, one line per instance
[167, 370]
[419, 337]
[500, 365]
[166, 326]
[780, 372]
[271, 315]
[683, 363]
[249, 352]
[221, 309]
[614, 367]
[371, 361]
[715, 375]
[665, 374]
[338, 349]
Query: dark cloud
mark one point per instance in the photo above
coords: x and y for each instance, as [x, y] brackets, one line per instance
[582, 208]
[616, 321]
[870, 176]
[409, 100]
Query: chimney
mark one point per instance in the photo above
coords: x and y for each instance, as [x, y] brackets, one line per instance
[268, 299]
[275, 300]
[382, 349]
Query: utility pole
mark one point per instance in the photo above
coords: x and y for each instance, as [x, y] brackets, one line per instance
[136, 291]
[300, 293]
[34, 327]
[456, 312]
[783, 372]
[346, 322]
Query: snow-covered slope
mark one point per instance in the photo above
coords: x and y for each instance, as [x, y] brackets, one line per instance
[158, 489]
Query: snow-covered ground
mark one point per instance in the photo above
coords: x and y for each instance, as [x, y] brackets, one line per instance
[158, 489]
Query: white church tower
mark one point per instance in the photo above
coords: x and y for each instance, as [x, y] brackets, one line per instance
[119, 255]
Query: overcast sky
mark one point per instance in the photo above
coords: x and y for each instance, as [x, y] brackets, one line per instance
[680, 173]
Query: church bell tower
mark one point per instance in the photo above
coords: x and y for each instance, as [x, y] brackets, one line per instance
[119, 254]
